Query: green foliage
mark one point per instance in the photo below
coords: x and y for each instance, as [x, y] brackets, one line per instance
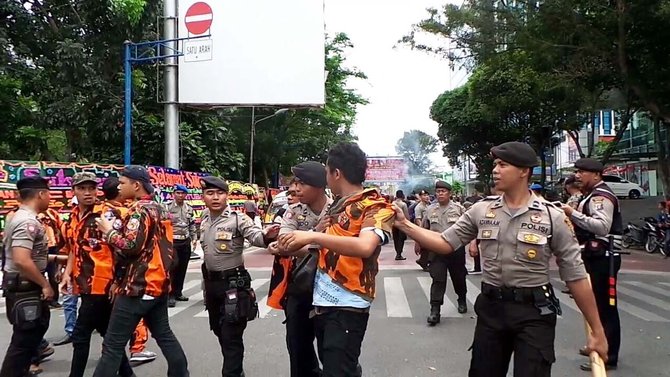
[456, 188]
[61, 90]
[416, 146]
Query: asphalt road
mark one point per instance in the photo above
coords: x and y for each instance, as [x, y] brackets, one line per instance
[398, 342]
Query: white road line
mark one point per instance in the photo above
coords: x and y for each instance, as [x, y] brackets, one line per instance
[192, 300]
[648, 287]
[640, 313]
[396, 300]
[646, 298]
[448, 309]
[191, 284]
[473, 292]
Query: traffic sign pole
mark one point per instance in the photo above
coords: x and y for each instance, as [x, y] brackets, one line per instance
[171, 108]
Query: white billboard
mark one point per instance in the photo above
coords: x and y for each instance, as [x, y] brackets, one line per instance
[259, 52]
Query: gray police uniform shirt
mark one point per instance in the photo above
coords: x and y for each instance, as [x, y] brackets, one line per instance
[183, 221]
[440, 218]
[516, 245]
[24, 230]
[222, 239]
[420, 210]
[602, 215]
[300, 217]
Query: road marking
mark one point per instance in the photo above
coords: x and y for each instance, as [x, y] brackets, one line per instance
[648, 287]
[448, 309]
[192, 300]
[639, 312]
[191, 284]
[473, 292]
[396, 300]
[645, 297]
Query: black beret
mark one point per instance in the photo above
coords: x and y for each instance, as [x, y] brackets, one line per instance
[442, 184]
[140, 174]
[311, 173]
[589, 164]
[35, 182]
[211, 181]
[516, 153]
[570, 180]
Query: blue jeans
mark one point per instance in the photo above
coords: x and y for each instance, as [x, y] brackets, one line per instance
[70, 312]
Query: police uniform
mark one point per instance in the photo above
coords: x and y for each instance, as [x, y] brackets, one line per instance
[439, 218]
[419, 214]
[183, 225]
[26, 311]
[517, 309]
[229, 298]
[598, 220]
[298, 305]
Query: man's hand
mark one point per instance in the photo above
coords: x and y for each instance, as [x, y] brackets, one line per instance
[47, 293]
[273, 248]
[598, 343]
[567, 209]
[473, 250]
[399, 214]
[104, 225]
[295, 240]
[65, 285]
[417, 248]
[325, 222]
[271, 232]
[194, 245]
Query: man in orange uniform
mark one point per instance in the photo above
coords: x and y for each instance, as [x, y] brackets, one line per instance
[112, 205]
[143, 292]
[344, 286]
[91, 268]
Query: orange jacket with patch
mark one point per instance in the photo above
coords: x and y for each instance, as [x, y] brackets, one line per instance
[93, 258]
[351, 215]
[53, 224]
[144, 241]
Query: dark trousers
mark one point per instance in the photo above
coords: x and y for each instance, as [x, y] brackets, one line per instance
[599, 269]
[506, 327]
[126, 314]
[25, 342]
[454, 264]
[183, 253]
[94, 314]
[300, 337]
[339, 335]
[52, 269]
[230, 335]
[399, 239]
[478, 263]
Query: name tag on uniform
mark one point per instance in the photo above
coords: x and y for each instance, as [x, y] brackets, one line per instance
[224, 236]
[434, 219]
[453, 219]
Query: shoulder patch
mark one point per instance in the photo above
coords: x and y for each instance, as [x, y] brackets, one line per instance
[492, 197]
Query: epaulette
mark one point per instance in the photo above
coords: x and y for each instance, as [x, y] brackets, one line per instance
[294, 205]
[491, 198]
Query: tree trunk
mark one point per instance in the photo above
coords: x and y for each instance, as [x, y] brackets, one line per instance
[543, 165]
[662, 153]
[574, 135]
[612, 147]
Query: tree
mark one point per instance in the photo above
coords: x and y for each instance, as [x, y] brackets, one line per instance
[416, 146]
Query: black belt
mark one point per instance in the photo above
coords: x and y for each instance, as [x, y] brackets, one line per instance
[523, 295]
[224, 275]
[318, 310]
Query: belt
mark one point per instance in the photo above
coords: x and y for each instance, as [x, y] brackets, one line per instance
[223, 275]
[180, 237]
[524, 295]
[318, 310]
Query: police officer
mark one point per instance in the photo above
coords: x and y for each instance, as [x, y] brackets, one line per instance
[518, 233]
[419, 214]
[229, 298]
[27, 292]
[310, 184]
[438, 218]
[598, 220]
[184, 240]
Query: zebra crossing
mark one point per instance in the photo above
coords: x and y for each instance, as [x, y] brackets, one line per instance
[407, 296]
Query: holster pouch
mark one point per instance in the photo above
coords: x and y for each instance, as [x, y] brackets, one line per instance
[595, 248]
[10, 282]
[240, 305]
[546, 301]
[26, 309]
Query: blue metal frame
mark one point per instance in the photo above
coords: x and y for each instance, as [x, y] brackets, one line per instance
[143, 53]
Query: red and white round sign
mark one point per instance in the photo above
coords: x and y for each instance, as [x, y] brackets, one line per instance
[198, 18]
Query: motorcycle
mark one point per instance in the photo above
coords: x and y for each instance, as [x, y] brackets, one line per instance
[634, 235]
[655, 238]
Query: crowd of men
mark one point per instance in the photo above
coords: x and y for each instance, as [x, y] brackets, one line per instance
[126, 256]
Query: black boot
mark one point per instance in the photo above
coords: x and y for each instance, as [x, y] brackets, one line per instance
[434, 317]
[399, 257]
[462, 306]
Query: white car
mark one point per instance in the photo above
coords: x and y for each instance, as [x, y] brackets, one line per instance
[623, 188]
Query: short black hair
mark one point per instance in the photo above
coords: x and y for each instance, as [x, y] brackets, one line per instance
[399, 194]
[350, 160]
[29, 193]
[111, 188]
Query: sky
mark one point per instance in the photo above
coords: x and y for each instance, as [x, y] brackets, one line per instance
[402, 83]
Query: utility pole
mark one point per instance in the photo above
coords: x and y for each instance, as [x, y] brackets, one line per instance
[170, 83]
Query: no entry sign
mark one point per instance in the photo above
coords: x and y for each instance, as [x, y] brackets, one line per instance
[198, 18]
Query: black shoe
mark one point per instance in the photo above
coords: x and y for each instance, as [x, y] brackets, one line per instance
[46, 352]
[55, 305]
[194, 256]
[400, 257]
[172, 302]
[181, 298]
[462, 306]
[67, 339]
[434, 317]
[424, 265]
[586, 367]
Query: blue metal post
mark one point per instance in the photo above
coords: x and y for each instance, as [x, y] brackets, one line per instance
[128, 98]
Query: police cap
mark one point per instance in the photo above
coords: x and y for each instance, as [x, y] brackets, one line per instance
[35, 183]
[536, 187]
[212, 182]
[589, 164]
[180, 188]
[516, 153]
[311, 173]
[439, 184]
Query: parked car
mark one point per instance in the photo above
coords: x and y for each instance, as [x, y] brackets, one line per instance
[623, 188]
